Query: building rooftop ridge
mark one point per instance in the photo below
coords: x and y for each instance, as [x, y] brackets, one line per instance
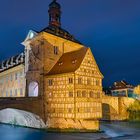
[12, 62]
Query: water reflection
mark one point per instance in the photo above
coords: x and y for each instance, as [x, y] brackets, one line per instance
[115, 131]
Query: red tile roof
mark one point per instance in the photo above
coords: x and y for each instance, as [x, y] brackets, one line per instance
[69, 62]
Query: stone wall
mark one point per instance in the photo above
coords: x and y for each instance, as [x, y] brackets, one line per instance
[115, 108]
[33, 105]
[61, 123]
[124, 103]
[110, 108]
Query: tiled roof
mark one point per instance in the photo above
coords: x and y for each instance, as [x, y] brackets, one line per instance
[121, 85]
[58, 31]
[69, 62]
[12, 62]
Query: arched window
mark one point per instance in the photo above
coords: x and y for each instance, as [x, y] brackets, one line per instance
[33, 89]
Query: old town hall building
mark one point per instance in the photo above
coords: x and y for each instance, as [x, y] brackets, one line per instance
[59, 68]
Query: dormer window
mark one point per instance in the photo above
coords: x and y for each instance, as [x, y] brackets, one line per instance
[55, 50]
[70, 80]
[60, 63]
[74, 61]
[79, 80]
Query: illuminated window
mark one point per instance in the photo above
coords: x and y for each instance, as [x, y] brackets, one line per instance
[60, 110]
[98, 94]
[60, 63]
[88, 82]
[11, 77]
[78, 93]
[97, 82]
[91, 94]
[55, 50]
[79, 80]
[88, 62]
[70, 94]
[50, 82]
[52, 110]
[69, 110]
[78, 110]
[6, 93]
[83, 93]
[33, 89]
[16, 76]
[87, 110]
[70, 80]
[74, 61]
[21, 91]
[21, 74]
[10, 93]
[7, 79]
[15, 92]
[50, 95]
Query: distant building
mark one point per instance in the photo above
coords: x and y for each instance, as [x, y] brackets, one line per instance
[137, 90]
[122, 89]
[12, 77]
[116, 100]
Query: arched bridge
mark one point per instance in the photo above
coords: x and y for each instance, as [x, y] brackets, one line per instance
[27, 104]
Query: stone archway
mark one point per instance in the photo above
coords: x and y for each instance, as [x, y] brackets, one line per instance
[106, 111]
[33, 89]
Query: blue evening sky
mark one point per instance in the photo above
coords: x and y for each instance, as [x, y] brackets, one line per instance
[110, 27]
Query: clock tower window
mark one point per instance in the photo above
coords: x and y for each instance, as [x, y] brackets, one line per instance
[55, 50]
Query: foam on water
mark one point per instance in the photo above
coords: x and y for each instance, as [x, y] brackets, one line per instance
[21, 118]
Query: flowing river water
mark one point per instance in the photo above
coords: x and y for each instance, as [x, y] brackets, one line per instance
[112, 131]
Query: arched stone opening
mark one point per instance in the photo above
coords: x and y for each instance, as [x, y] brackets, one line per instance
[105, 111]
[33, 89]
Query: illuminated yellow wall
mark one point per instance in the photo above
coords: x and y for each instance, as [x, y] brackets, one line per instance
[45, 43]
[63, 104]
[75, 100]
[60, 96]
[12, 82]
[88, 101]
[63, 44]
[137, 89]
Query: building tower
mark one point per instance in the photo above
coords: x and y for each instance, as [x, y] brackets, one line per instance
[64, 75]
[54, 14]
